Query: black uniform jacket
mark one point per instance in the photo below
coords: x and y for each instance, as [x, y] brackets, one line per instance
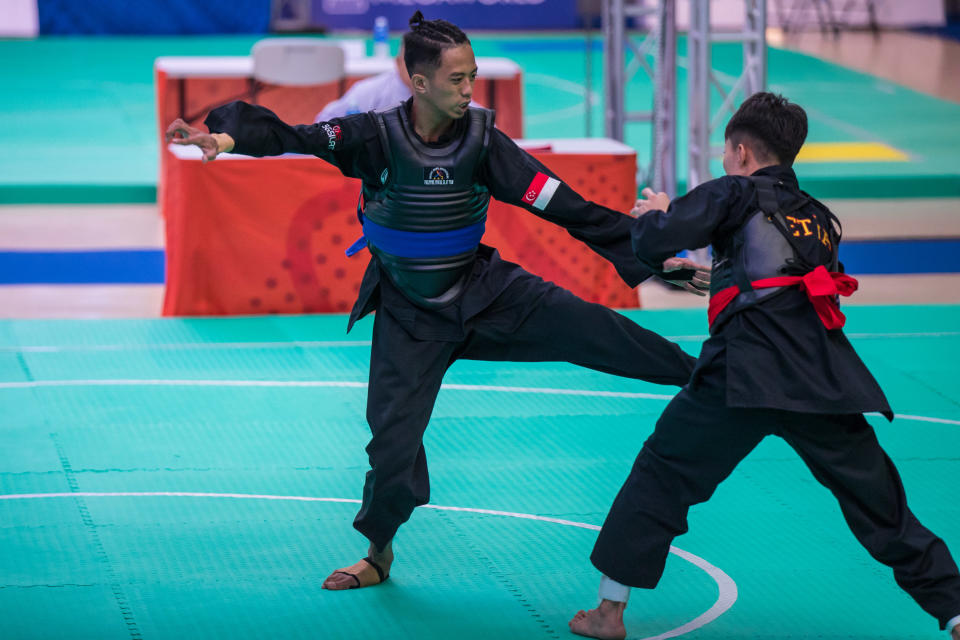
[776, 354]
[351, 144]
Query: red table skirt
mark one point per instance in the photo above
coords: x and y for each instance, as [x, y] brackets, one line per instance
[246, 236]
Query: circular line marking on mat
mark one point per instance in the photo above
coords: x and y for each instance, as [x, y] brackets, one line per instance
[727, 588]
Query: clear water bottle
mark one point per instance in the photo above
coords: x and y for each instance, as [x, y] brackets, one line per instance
[381, 35]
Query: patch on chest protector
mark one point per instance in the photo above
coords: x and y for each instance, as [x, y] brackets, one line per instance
[436, 176]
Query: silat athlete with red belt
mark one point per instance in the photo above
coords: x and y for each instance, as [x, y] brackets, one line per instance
[429, 167]
[776, 362]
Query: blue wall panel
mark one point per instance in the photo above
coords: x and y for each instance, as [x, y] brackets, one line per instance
[105, 17]
[466, 14]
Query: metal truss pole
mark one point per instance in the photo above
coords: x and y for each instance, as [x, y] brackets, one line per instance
[701, 78]
[755, 47]
[698, 78]
[613, 18]
[664, 160]
[660, 43]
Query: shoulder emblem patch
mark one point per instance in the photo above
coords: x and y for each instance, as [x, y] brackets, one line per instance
[541, 191]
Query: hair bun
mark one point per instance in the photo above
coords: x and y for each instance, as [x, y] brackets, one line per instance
[416, 20]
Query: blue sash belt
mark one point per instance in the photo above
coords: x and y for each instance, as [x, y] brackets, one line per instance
[419, 244]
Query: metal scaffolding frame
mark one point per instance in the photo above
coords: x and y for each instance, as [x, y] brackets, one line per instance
[753, 78]
[660, 173]
[661, 42]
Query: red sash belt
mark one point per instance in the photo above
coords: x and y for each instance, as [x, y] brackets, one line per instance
[820, 285]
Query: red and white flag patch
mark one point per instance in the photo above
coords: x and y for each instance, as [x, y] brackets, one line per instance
[541, 191]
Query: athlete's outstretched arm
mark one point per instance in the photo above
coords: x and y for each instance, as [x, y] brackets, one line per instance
[693, 277]
[253, 130]
[212, 145]
[515, 177]
[664, 227]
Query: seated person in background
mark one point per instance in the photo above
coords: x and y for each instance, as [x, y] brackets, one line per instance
[387, 89]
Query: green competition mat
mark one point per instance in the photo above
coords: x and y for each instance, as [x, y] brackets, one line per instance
[197, 478]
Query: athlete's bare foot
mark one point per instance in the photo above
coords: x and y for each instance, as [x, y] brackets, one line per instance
[362, 574]
[605, 622]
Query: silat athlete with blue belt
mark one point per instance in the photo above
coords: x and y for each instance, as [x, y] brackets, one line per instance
[429, 167]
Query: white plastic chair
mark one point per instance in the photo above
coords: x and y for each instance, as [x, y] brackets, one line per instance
[297, 61]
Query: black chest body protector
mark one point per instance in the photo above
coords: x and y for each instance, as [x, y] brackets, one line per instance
[774, 241]
[425, 223]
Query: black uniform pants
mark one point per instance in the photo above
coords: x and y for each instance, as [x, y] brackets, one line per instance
[697, 443]
[529, 321]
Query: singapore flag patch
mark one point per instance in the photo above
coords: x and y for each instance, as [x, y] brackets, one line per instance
[541, 191]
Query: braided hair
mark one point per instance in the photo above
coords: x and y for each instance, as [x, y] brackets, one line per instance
[424, 43]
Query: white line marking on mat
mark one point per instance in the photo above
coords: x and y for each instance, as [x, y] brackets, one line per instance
[333, 344]
[918, 334]
[35, 384]
[562, 392]
[903, 416]
[726, 597]
[181, 383]
[31, 384]
[189, 346]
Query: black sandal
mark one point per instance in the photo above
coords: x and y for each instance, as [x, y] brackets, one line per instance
[383, 577]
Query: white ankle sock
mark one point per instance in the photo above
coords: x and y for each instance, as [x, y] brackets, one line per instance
[610, 589]
[954, 621]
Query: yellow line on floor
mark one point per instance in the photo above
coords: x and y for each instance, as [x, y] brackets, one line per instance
[850, 152]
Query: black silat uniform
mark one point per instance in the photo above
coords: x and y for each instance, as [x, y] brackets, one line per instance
[769, 368]
[433, 310]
